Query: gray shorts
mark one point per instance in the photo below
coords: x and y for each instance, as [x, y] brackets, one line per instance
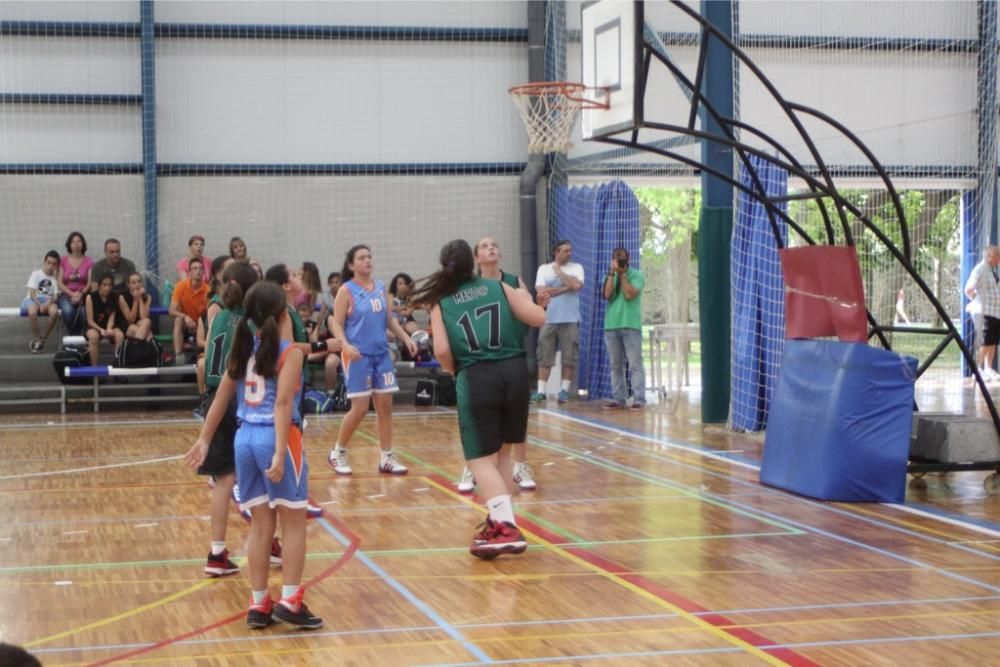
[565, 337]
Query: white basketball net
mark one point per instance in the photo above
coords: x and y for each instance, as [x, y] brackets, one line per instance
[549, 114]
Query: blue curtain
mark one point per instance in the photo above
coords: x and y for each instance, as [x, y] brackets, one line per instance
[758, 301]
[971, 254]
[596, 220]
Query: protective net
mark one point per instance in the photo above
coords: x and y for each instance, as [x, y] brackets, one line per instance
[915, 82]
[303, 128]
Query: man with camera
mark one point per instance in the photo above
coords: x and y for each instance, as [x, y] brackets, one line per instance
[623, 330]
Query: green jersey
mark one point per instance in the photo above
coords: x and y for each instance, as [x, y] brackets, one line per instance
[480, 323]
[220, 339]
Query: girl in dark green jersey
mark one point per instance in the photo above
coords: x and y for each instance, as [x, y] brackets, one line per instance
[478, 326]
[218, 457]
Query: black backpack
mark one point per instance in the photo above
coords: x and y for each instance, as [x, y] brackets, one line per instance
[135, 353]
[70, 357]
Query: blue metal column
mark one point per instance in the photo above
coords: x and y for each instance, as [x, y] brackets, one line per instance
[986, 97]
[715, 229]
[148, 62]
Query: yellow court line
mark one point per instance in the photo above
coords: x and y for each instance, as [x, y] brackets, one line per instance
[127, 614]
[721, 634]
[864, 619]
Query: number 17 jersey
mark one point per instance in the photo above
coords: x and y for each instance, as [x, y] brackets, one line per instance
[480, 323]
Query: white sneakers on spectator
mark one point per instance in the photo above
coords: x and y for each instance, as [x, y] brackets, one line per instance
[989, 375]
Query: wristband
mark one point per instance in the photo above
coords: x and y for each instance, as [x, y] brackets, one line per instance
[318, 346]
[610, 274]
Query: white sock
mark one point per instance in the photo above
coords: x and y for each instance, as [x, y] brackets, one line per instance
[501, 509]
[218, 548]
[541, 386]
[338, 448]
[258, 596]
[386, 453]
[289, 591]
[566, 384]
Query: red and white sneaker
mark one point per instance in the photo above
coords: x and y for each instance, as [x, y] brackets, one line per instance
[219, 565]
[494, 539]
[313, 511]
[276, 553]
[524, 477]
[259, 615]
[388, 465]
[338, 461]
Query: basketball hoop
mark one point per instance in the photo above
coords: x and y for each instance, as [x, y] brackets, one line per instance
[549, 110]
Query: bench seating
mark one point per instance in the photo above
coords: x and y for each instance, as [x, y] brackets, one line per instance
[104, 389]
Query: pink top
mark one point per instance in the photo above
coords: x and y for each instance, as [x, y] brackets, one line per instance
[76, 278]
[182, 266]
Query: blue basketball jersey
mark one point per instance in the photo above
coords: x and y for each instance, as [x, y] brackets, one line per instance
[367, 318]
[256, 395]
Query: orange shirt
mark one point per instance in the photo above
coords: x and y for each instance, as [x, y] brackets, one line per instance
[192, 302]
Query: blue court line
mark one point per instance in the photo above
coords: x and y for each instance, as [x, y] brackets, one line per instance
[947, 514]
[598, 656]
[438, 620]
[593, 459]
[777, 492]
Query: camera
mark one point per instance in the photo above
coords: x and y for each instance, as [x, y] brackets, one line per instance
[622, 262]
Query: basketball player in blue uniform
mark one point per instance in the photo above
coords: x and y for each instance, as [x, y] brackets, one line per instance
[361, 317]
[265, 374]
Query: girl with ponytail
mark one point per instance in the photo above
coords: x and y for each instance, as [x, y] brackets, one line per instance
[264, 373]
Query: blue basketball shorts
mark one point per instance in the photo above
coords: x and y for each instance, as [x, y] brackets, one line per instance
[371, 373]
[254, 451]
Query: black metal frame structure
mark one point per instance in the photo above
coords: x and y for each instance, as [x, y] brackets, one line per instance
[819, 187]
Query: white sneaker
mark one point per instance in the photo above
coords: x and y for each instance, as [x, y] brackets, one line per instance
[467, 482]
[389, 465]
[338, 461]
[524, 477]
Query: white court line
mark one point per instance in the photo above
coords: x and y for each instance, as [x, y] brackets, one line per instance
[146, 525]
[62, 583]
[74, 532]
[945, 519]
[107, 467]
[708, 454]
[329, 502]
[377, 495]
[91, 424]
[421, 489]
[6, 539]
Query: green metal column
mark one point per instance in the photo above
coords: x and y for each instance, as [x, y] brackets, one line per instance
[715, 228]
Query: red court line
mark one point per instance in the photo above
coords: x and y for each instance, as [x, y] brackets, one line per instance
[355, 543]
[659, 590]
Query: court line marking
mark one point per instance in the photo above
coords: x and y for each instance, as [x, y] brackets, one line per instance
[745, 641]
[884, 522]
[352, 546]
[70, 471]
[421, 606]
[503, 624]
[655, 479]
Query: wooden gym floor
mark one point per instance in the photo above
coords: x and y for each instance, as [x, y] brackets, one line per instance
[651, 542]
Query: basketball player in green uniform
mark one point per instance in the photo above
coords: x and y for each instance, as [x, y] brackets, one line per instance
[478, 324]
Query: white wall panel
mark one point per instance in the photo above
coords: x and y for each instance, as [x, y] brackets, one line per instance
[494, 14]
[73, 133]
[338, 101]
[69, 10]
[69, 65]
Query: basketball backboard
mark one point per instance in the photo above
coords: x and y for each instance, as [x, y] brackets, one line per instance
[612, 42]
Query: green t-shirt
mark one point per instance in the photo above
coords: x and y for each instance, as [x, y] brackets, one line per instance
[219, 341]
[480, 323]
[623, 313]
[298, 328]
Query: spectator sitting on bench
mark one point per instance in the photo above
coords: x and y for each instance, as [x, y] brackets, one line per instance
[326, 298]
[43, 293]
[113, 264]
[133, 309]
[74, 283]
[196, 250]
[101, 307]
[188, 302]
